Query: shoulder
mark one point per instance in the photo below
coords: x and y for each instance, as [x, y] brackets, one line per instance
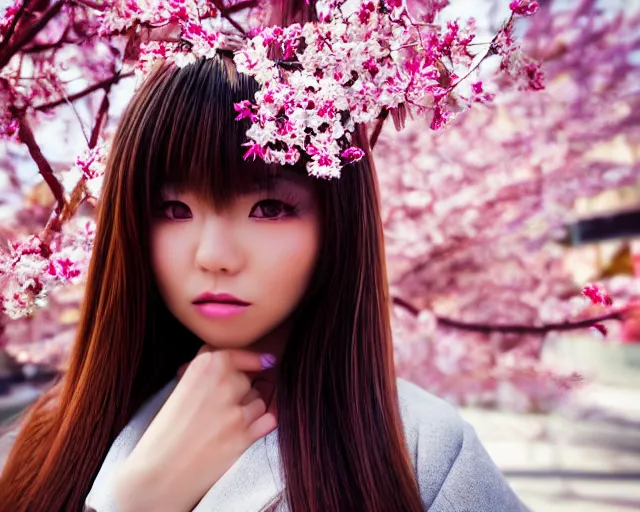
[454, 471]
[434, 430]
[417, 403]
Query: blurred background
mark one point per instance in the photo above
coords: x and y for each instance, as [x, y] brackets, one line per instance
[493, 227]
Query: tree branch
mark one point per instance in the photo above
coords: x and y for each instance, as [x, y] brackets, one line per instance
[102, 113]
[378, 128]
[100, 85]
[514, 328]
[44, 47]
[224, 12]
[77, 194]
[490, 52]
[531, 329]
[91, 4]
[29, 33]
[240, 6]
[26, 135]
[14, 24]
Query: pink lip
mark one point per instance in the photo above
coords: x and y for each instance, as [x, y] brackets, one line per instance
[219, 305]
[224, 298]
[220, 309]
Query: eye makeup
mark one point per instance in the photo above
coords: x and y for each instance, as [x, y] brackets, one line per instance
[292, 194]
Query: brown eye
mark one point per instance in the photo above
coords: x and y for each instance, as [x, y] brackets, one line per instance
[271, 209]
[175, 210]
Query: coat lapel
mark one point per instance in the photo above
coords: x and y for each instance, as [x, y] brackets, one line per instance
[252, 483]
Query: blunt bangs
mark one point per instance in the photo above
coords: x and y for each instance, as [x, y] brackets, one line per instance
[191, 138]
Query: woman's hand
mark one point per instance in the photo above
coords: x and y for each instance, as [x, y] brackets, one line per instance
[210, 419]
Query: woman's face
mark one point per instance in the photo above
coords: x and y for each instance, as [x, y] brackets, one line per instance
[262, 250]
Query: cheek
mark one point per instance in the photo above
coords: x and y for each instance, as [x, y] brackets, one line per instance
[165, 255]
[288, 260]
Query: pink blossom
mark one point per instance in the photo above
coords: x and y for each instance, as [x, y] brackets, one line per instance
[371, 66]
[324, 160]
[7, 18]
[597, 295]
[535, 76]
[311, 150]
[352, 154]
[291, 156]
[268, 97]
[366, 8]
[63, 267]
[433, 8]
[327, 109]
[255, 150]
[524, 7]
[440, 117]
[9, 129]
[245, 110]
[476, 87]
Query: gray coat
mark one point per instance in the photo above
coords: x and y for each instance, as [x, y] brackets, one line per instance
[454, 471]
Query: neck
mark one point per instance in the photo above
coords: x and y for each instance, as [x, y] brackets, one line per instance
[274, 342]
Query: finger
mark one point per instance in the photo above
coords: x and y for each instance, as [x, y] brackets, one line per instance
[266, 389]
[239, 386]
[250, 396]
[272, 404]
[262, 426]
[252, 411]
[183, 368]
[247, 361]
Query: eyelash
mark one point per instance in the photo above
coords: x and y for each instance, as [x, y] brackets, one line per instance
[290, 205]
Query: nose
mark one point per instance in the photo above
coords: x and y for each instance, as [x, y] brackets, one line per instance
[218, 247]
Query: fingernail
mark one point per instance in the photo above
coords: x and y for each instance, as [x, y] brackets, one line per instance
[268, 361]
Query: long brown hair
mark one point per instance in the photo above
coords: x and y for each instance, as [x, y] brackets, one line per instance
[339, 428]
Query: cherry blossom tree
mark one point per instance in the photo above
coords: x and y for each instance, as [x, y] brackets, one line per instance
[474, 213]
[489, 167]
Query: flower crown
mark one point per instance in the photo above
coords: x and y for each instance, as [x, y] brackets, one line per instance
[362, 62]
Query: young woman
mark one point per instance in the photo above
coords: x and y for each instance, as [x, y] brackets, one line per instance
[271, 284]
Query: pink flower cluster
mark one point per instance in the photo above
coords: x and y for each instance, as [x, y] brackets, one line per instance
[89, 168]
[29, 270]
[361, 62]
[598, 295]
[515, 63]
[171, 30]
[524, 7]
[7, 20]
[9, 125]
[319, 80]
